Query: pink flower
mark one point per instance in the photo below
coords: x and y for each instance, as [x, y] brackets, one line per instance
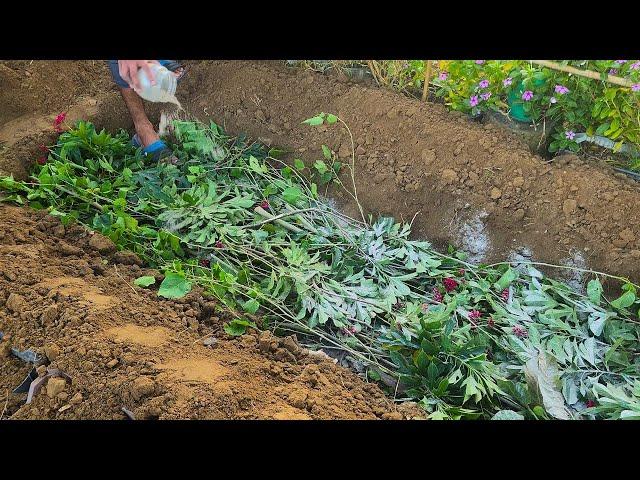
[635, 87]
[479, 62]
[528, 95]
[437, 296]
[473, 101]
[490, 322]
[621, 62]
[591, 404]
[635, 66]
[219, 244]
[520, 332]
[507, 81]
[264, 204]
[58, 121]
[613, 71]
[485, 96]
[505, 295]
[474, 315]
[561, 89]
[449, 284]
[443, 76]
[484, 83]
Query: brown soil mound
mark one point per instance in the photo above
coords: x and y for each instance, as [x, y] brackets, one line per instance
[122, 346]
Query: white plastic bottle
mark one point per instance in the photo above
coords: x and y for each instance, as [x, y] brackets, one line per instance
[165, 88]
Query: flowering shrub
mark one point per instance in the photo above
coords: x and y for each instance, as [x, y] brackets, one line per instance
[572, 103]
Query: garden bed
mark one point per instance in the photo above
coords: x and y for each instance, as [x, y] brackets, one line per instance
[66, 295]
[385, 129]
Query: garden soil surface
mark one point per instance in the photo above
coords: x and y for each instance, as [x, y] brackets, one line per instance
[464, 183]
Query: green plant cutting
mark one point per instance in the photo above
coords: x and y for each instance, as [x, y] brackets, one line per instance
[463, 340]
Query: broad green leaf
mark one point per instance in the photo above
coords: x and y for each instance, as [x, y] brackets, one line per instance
[506, 279]
[541, 373]
[299, 164]
[331, 118]
[251, 306]
[623, 301]
[594, 291]
[321, 167]
[326, 152]
[314, 121]
[144, 281]
[174, 286]
[507, 415]
[291, 194]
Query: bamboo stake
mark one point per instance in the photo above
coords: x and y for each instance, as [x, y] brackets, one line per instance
[583, 73]
[427, 79]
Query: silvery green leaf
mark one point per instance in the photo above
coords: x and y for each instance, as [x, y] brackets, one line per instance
[629, 415]
[507, 415]
[594, 291]
[541, 373]
[597, 322]
[569, 390]
[533, 272]
[587, 350]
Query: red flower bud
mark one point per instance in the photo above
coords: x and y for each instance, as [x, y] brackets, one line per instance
[450, 284]
[219, 244]
[264, 204]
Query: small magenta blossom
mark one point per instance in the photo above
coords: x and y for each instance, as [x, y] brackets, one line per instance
[621, 62]
[519, 331]
[613, 71]
[485, 96]
[635, 66]
[449, 284]
[474, 315]
[570, 134]
[479, 62]
[553, 100]
[437, 295]
[561, 89]
[635, 87]
[528, 95]
[507, 81]
[484, 83]
[443, 76]
[473, 101]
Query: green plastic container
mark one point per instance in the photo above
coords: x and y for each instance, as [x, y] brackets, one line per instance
[516, 104]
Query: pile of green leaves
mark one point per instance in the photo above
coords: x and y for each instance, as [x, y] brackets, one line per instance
[465, 341]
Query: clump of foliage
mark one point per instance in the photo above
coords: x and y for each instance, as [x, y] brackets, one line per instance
[465, 341]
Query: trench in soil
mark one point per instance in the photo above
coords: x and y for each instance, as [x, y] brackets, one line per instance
[464, 183]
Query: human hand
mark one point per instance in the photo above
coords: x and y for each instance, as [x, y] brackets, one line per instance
[128, 70]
